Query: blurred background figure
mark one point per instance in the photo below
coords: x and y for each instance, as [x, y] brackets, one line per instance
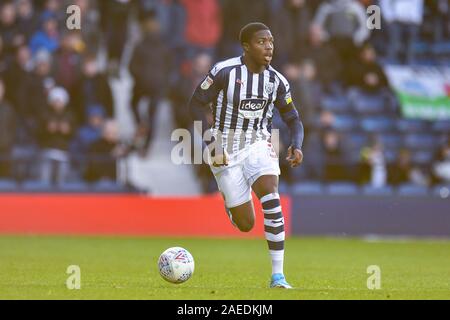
[27, 19]
[440, 12]
[320, 52]
[203, 26]
[67, 60]
[90, 25]
[56, 129]
[335, 161]
[90, 132]
[291, 27]
[3, 63]
[92, 88]
[34, 94]
[104, 153]
[404, 171]
[114, 21]
[7, 133]
[441, 167]
[343, 23]
[149, 67]
[403, 19]
[366, 74]
[16, 76]
[48, 36]
[9, 31]
[55, 8]
[374, 164]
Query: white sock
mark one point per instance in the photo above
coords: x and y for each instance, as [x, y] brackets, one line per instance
[277, 261]
[274, 230]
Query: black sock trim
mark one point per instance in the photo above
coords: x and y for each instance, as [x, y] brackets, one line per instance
[274, 230]
[271, 204]
[275, 245]
[273, 216]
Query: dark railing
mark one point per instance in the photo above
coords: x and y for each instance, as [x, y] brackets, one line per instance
[23, 173]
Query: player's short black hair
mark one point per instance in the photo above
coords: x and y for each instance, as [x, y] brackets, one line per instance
[249, 30]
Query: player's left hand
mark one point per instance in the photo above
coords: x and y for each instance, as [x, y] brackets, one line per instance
[295, 158]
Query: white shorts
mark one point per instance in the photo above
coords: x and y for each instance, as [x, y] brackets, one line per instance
[244, 168]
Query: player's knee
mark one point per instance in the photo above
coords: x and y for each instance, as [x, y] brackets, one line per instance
[247, 225]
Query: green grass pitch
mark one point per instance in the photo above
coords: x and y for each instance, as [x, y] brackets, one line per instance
[126, 268]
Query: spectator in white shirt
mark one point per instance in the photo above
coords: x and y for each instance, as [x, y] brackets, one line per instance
[403, 19]
[343, 24]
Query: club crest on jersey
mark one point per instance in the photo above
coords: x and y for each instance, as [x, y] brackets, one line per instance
[206, 84]
[269, 88]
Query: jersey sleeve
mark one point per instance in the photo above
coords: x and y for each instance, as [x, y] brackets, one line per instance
[284, 102]
[210, 87]
[284, 96]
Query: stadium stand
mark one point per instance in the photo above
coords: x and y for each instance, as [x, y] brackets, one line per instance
[353, 95]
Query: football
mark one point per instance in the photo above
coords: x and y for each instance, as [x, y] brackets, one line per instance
[176, 265]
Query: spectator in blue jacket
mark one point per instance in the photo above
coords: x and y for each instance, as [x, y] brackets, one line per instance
[91, 132]
[47, 37]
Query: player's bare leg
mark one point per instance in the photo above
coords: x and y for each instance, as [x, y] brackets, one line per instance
[243, 216]
[265, 185]
[266, 188]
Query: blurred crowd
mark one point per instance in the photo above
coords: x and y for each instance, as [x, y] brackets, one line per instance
[57, 111]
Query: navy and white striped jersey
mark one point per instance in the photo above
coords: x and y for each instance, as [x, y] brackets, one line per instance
[242, 102]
